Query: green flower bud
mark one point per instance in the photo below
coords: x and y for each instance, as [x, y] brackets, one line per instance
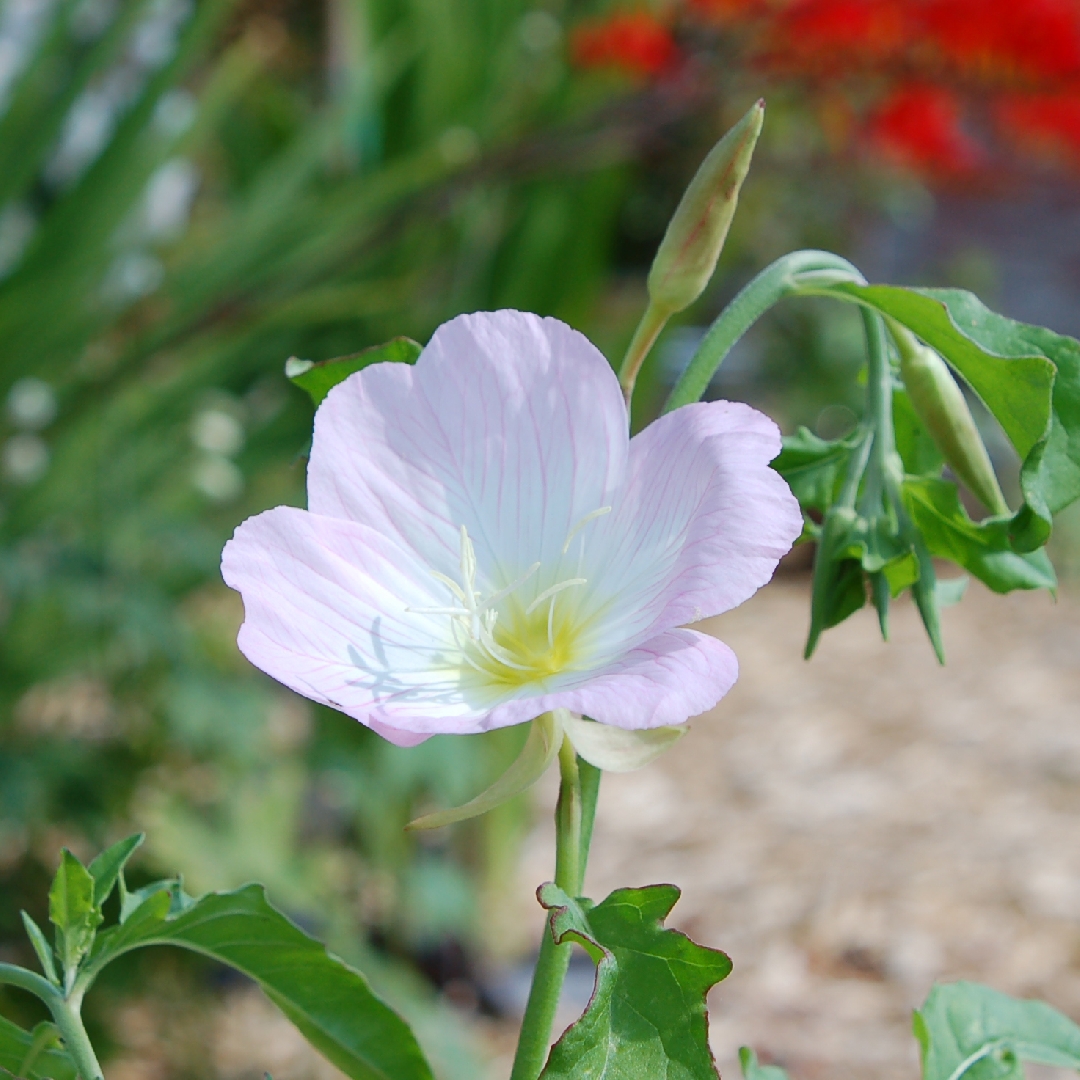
[939, 403]
[696, 233]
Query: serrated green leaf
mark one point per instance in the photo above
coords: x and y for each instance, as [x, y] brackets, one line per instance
[41, 947]
[107, 867]
[318, 379]
[329, 1002]
[540, 750]
[16, 1046]
[970, 1031]
[72, 911]
[647, 1016]
[813, 468]
[981, 548]
[752, 1070]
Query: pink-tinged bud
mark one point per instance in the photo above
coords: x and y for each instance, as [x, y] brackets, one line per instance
[939, 403]
[695, 236]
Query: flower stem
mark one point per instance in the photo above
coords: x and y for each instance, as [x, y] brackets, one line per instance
[784, 277]
[66, 1014]
[573, 831]
[648, 330]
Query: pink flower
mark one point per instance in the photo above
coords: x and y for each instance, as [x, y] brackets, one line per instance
[484, 543]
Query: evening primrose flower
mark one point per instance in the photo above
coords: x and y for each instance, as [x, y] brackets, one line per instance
[484, 543]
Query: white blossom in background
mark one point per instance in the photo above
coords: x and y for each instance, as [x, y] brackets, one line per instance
[168, 199]
[17, 224]
[31, 404]
[24, 458]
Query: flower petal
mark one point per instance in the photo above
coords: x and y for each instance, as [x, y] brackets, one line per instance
[700, 528]
[676, 675]
[509, 424]
[326, 613]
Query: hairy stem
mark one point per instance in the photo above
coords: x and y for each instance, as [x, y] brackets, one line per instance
[65, 1013]
[786, 276]
[573, 828]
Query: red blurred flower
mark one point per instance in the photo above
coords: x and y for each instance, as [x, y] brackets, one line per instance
[633, 41]
[919, 127]
[817, 35]
[1047, 123]
[728, 11]
[1034, 38]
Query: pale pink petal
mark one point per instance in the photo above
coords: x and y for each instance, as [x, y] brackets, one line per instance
[325, 613]
[509, 424]
[700, 528]
[676, 675]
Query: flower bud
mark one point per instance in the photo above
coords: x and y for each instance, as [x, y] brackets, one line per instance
[695, 235]
[939, 403]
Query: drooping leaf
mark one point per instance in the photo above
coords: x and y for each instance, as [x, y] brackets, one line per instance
[1027, 376]
[972, 1032]
[981, 548]
[107, 867]
[753, 1070]
[318, 379]
[72, 911]
[647, 1016]
[616, 749]
[18, 1046]
[330, 1003]
[540, 750]
[814, 468]
[41, 947]
[839, 588]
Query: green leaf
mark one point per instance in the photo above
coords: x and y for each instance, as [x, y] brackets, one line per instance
[107, 867]
[1027, 376]
[540, 749]
[950, 591]
[329, 1002]
[41, 947]
[751, 1070]
[839, 589]
[967, 1030]
[17, 1047]
[981, 548]
[813, 468]
[72, 911]
[647, 1016]
[318, 379]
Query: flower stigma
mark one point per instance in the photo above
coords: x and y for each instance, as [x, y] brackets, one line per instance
[505, 639]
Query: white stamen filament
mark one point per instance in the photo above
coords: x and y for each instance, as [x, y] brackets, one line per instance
[557, 588]
[591, 516]
[473, 621]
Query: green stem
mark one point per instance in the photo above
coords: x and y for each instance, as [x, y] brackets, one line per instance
[65, 1013]
[648, 330]
[784, 277]
[571, 848]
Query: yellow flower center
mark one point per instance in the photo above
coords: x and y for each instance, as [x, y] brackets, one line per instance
[505, 641]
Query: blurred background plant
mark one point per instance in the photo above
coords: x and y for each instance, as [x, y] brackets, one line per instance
[192, 191]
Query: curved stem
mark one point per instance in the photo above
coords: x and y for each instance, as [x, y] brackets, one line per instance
[785, 276]
[570, 848]
[66, 1013]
